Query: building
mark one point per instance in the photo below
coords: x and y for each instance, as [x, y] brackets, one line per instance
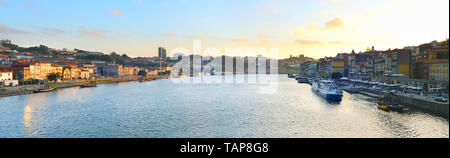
[6, 75]
[438, 69]
[126, 71]
[324, 68]
[404, 64]
[312, 69]
[5, 49]
[433, 59]
[110, 70]
[162, 52]
[338, 64]
[34, 70]
[3, 42]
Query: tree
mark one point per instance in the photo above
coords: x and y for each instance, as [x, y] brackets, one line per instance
[142, 73]
[336, 75]
[442, 55]
[53, 77]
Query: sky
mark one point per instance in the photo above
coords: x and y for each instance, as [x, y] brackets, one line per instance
[316, 28]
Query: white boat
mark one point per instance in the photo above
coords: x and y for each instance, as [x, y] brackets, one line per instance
[327, 89]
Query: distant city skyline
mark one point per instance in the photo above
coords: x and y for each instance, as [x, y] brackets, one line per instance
[139, 27]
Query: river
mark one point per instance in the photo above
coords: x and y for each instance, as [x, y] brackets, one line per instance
[164, 109]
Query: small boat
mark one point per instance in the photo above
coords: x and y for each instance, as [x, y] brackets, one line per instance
[327, 89]
[88, 85]
[43, 90]
[385, 106]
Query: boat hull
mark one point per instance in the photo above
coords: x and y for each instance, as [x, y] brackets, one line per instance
[330, 97]
[326, 94]
[42, 91]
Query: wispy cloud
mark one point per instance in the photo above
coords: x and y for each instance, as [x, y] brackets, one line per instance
[171, 34]
[115, 12]
[2, 2]
[335, 1]
[240, 39]
[28, 5]
[51, 31]
[263, 35]
[314, 42]
[201, 37]
[93, 32]
[7, 30]
[333, 24]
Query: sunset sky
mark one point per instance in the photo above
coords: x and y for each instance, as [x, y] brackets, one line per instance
[315, 28]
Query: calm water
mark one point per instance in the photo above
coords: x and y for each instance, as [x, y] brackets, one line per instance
[164, 109]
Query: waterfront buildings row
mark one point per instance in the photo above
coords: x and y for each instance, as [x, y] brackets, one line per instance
[424, 66]
[70, 65]
[428, 64]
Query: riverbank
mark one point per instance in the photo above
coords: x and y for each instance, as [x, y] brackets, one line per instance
[419, 102]
[28, 89]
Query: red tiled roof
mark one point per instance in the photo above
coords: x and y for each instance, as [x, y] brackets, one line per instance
[3, 71]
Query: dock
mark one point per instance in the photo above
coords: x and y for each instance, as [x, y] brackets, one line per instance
[419, 102]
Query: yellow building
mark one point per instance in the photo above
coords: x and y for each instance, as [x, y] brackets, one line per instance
[439, 70]
[40, 70]
[338, 65]
[404, 69]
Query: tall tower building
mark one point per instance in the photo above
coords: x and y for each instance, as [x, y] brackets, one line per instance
[162, 52]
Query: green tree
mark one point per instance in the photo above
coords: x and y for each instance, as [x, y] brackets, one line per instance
[53, 77]
[442, 55]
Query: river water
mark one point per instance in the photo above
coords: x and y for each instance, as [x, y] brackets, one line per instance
[167, 109]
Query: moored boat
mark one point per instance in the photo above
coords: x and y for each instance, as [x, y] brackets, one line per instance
[302, 80]
[88, 85]
[327, 89]
[44, 90]
[386, 106]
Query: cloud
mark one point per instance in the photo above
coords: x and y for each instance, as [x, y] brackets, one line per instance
[263, 35]
[51, 31]
[28, 5]
[93, 32]
[333, 24]
[314, 42]
[115, 12]
[335, 1]
[201, 37]
[240, 39]
[7, 30]
[263, 42]
[312, 26]
[298, 31]
[171, 34]
[307, 42]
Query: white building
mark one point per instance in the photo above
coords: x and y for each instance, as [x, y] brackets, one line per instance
[312, 69]
[5, 75]
[6, 78]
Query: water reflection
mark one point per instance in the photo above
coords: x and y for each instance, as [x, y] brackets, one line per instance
[35, 104]
[164, 109]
